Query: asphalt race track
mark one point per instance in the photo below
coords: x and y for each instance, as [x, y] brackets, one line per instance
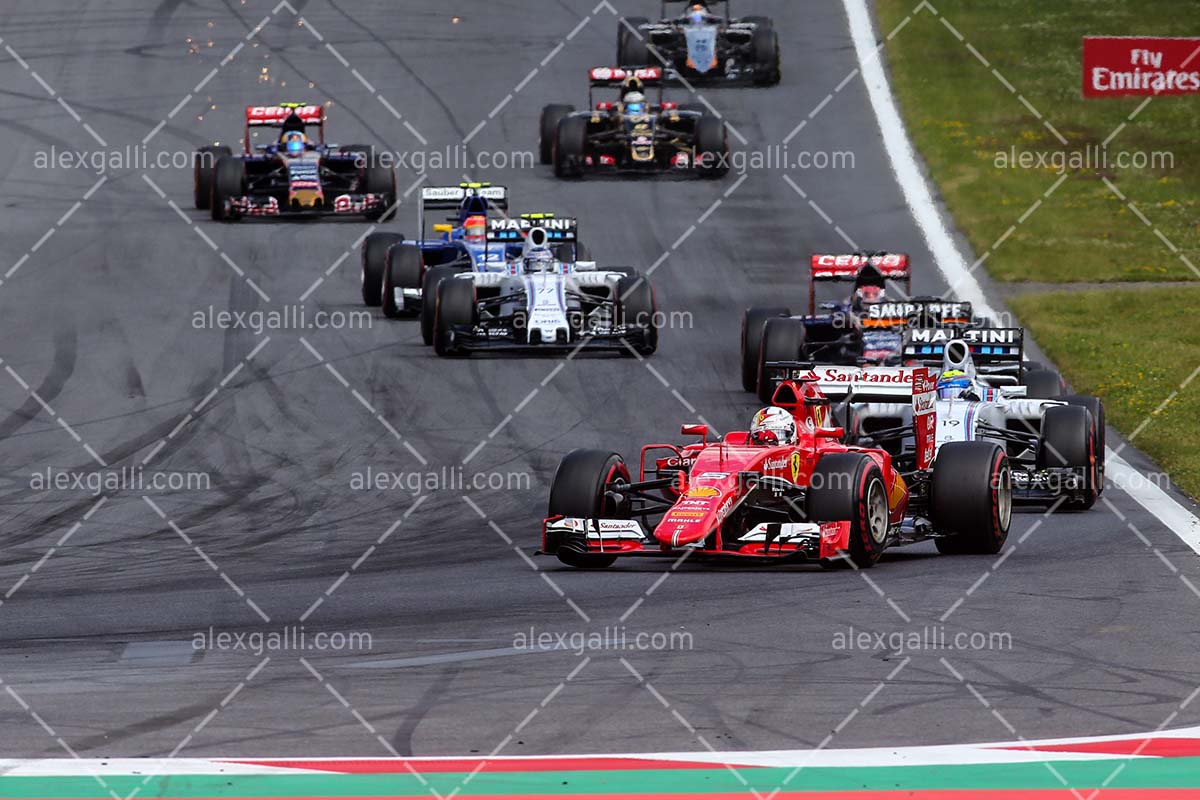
[100, 338]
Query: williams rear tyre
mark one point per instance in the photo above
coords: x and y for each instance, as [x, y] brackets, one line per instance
[1069, 440]
[753, 321]
[712, 147]
[374, 262]
[548, 128]
[429, 284]
[570, 147]
[404, 270]
[580, 489]
[849, 486]
[782, 340]
[971, 498]
[1043, 384]
[637, 310]
[229, 181]
[454, 306]
[204, 166]
[1100, 428]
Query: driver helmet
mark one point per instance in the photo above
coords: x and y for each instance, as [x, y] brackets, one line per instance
[294, 143]
[867, 294]
[539, 260]
[635, 103]
[773, 426]
[475, 229]
[697, 14]
[953, 384]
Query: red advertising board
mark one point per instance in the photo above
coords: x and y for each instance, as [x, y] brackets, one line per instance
[1126, 66]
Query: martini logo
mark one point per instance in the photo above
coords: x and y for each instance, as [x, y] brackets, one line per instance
[519, 224]
[975, 336]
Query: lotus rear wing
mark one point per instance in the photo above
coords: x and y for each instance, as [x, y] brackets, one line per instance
[446, 198]
[847, 267]
[995, 355]
[615, 77]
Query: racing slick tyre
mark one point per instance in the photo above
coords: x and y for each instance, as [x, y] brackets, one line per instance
[204, 165]
[429, 284]
[1043, 384]
[764, 45]
[1069, 440]
[1099, 427]
[454, 305]
[551, 115]
[403, 271]
[382, 181]
[782, 340]
[633, 49]
[699, 108]
[570, 147]
[752, 330]
[712, 147]
[636, 308]
[374, 262]
[971, 498]
[580, 489]
[229, 180]
[849, 486]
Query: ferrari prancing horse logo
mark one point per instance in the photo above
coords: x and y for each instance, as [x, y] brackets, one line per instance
[795, 463]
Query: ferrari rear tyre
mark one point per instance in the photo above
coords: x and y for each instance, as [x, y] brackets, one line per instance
[580, 489]
[374, 262]
[753, 321]
[454, 307]
[971, 498]
[849, 486]
[548, 128]
[204, 166]
[782, 340]
[404, 271]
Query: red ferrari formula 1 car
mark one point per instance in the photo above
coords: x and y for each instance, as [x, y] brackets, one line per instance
[812, 498]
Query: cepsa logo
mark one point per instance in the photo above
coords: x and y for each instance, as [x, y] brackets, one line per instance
[1124, 66]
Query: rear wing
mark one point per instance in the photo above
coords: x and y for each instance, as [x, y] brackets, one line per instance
[845, 267]
[512, 230]
[446, 198]
[997, 353]
[614, 77]
[916, 313]
[275, 117]
[666, 4]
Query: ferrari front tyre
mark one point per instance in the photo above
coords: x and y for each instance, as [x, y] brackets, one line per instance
[849, 486]
[548, 127]
[633, 48]
[580, 489]
[429, 284]
[570, 147]
[638, 311]
[752, 333]
[971, 498]
[712, 147]
[229, 181]
[454, 307]
[782, 340]
[1043, 384]
[204, 165]
[764, 45]
[403, 271]
[374, 262]
[1069, 440]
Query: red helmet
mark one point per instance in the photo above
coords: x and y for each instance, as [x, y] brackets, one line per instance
[475, 228]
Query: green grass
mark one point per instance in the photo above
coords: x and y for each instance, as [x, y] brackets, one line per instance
[961, 116]
[1135, 357]
[1133, 347]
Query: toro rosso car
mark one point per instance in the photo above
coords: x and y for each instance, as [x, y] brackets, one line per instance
[632, 134]
[795, 492]
[865, 328]
[541, 301]
[702, 46]
[395, 270]
[296, 173]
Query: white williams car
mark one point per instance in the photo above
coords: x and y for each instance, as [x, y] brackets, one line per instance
[543, 303]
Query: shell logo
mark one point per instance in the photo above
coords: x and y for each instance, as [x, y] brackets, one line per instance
[702, 491]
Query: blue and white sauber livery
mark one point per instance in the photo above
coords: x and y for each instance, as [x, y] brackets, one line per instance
[544, 299]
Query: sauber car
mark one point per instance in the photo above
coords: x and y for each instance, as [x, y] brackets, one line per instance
[700, 45]
[295, 174]
[632, 134]
[816, 499]
[541, 301]
[865, 328]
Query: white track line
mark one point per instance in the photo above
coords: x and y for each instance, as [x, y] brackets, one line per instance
[947, 257]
